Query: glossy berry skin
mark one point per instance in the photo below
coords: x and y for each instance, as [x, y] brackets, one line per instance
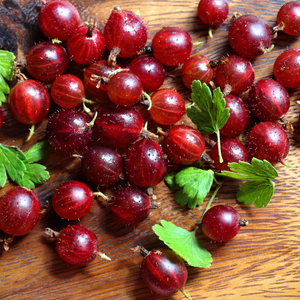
[29, 102]
[86, 45]
[130, 205]
[77, 245]
[288, 17]
[249, 36]
[150, 71]
[183, 144]
[232, 151]
[46, 61]
[268, 100]
[267, 140]
[196, 68]
[124, 89]
[145, 163]
[286, 68]
[19, 211]
[102, 166]
[221, 223]
[126, 32]
[68, 131]
[67, 91]
[167, 108]
[172, 46]
[117, 127]
[213, 12]
[72, 200]
[57, 19]
[164, 272]
[238, 119]
[234, 74]
[100, 69]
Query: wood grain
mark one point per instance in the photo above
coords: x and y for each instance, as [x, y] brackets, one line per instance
[262, 262]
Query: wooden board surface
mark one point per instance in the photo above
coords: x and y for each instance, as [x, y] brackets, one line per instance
[261, 262]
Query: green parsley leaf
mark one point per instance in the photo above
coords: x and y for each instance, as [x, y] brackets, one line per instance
[184, 243]
[259, 187]
[7, 68]
[18, 165]
[210, 115]
[257, 170]
[37, 152]
[207, 112]
[260, 192]
[4, 87]
[170, 181]
[7, 64]
[196, 184]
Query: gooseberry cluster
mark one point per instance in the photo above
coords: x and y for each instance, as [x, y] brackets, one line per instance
[110, 136]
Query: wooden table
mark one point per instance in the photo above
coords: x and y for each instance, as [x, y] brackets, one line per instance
[261, 262]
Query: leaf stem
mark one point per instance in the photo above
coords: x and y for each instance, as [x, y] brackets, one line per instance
[219, 146]
[211, 200]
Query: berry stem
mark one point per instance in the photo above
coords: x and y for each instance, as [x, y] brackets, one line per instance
[91, 124]
[100, 194]
[117, 71]
[210, 33]
[148, 101]
[104, 256]
[31, 132]
[185, 294]
[211, 200]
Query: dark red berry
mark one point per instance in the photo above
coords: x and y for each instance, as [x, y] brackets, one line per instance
[67, 91]
[249, 36]
[238, 119]
[221, 223]
[287, 68]
[29, 102]
[116, 126]
[77, 245]
[19, 211]
[167, 107]
[72, 200]
[145, 163]
[213, 12]
[125, 33]
[288, 18]
[57, 19]
[102, 166]
[196, 68]
[172, 46]
[164, 272]
[130, 205]
[124, 89]
[93, 76]
[268, 100]
[69, 131]
[150, 71]
[234, 74]
[183, 144]
[267, 140]
[232, 151]
[46, 61]
[86, 45]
